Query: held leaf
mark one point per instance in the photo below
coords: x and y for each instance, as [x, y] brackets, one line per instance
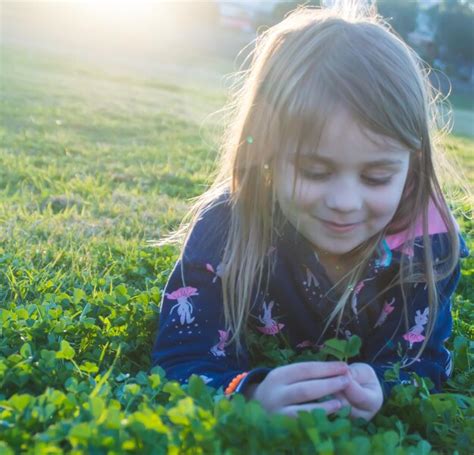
[336, 348]
[353, 346]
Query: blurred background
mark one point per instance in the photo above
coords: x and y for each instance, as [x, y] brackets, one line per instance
[200, 40]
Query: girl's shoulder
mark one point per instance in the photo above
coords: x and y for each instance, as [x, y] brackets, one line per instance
[441, 245]
[209, 232]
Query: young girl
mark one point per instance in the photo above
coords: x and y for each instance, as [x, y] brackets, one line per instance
[326, 220]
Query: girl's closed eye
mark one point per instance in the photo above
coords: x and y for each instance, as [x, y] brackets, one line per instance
[314, 175]
[378, 181]
[321, 175]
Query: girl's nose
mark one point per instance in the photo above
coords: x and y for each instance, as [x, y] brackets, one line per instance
[344, 197]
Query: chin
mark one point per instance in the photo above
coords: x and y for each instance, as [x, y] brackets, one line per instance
[338, 251]
[337, 248]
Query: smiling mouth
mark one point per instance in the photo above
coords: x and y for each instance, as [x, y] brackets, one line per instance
[340, 225]
[340, 228]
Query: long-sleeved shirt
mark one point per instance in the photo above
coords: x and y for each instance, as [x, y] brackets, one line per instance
[192, 338]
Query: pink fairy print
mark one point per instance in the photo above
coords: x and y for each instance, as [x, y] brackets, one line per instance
[218, 349]
[414, 334]
[386, 310]
[270, 326]
[184, 307]
[217, 273]
[355, 293]
[311, 280]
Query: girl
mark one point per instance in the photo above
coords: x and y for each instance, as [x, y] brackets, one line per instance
[326, 219]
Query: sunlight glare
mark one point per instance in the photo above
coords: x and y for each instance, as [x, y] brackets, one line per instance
[120, 9]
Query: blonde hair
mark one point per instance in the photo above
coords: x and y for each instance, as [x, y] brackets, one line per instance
[300, 70]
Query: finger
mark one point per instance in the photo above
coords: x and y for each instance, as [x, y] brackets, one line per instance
[357, 395]
[362, 373]
[329, 406]
[302, 371]
[342, 398]
[301, 392]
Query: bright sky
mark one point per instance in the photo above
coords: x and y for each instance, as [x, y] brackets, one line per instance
[121, 8]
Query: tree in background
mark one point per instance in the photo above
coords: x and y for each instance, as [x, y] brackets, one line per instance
[400, 14]
[282, 8]
[454, 20]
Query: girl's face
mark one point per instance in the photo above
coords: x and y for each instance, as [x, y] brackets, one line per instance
[346, 191]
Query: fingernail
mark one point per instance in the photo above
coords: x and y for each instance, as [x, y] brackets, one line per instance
[344, 380]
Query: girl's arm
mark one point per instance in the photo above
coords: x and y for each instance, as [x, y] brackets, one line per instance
[191, 337]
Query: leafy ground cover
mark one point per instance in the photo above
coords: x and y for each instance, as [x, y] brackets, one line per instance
[94, 164]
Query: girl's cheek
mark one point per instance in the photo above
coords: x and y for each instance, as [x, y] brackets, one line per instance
[306, 193]
[383, 201]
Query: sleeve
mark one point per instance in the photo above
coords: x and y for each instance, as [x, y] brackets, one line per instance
[191, 337]
[392, 342]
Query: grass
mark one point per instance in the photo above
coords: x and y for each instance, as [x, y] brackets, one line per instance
[90, 158]
[95, 163]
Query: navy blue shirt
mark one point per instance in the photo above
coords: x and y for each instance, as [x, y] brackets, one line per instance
[192, 338]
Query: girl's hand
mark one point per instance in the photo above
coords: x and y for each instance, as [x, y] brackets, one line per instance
[363, 393]
[285, 389]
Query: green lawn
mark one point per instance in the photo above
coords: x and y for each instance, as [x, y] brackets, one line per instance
[463, 122]
[93, 164]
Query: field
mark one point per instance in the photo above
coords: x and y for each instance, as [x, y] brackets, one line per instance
[93, 165]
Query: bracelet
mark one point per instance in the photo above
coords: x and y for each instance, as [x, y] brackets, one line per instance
[235, 382]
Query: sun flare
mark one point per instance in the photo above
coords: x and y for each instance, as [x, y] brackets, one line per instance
[120, 10]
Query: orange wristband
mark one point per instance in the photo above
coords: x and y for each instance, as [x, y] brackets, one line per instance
[234, 383]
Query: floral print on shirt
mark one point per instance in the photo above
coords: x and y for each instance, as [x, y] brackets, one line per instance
[218, 272]
[184, 306]
[218, 349]
[354, 298]
[386, 310]
[311, 279]
[414, 335]
[271, 327]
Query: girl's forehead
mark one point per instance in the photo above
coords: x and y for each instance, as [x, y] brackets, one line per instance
[343, 139]
[341, 127]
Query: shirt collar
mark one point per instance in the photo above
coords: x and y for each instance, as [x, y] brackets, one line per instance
[436, 225]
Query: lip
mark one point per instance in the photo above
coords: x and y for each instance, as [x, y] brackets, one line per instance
[340, 227]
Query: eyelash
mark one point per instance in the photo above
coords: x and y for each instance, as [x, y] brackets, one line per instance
[369, 181]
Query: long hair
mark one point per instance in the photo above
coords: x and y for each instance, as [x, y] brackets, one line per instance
[300, 70]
